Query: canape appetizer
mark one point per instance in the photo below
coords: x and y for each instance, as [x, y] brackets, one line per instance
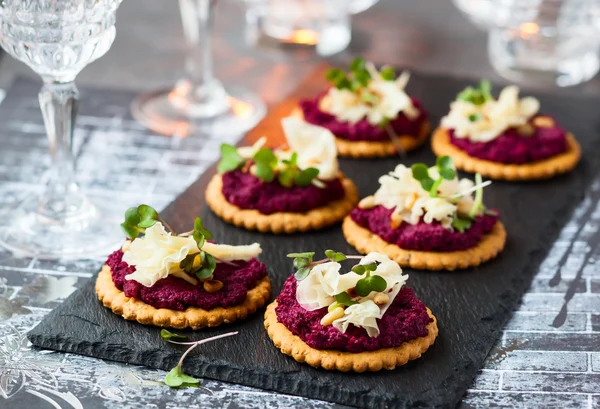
[505, 138]
[368, 111]
[284, 190]
[363, 320]
[426, 218]
[181, 280]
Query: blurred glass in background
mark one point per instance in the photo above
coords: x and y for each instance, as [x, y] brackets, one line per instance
[540, 41]
[324, 24]
[199, 104]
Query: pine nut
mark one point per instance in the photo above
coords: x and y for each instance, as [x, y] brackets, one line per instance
[332, 316]
[212, 286]
[381, 298]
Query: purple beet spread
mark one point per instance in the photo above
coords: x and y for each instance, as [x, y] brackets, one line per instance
[362, 130]
[512, 147]
[405, 319]
[422, 236]
[177, 294]
[249, 192]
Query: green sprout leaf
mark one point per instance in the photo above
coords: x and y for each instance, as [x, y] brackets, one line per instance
[265, 164]
[287, 176]
[370, 267]
[335, 256]
[477, 96]
[309, 255]
[299, 262]
[266, 156]
[131, 231]
[138, 219]
[166, 334]
[444, 162]
[362, 77]
[230, 159]
[292, 161]
[344, 298]
[187, 264]
[377, 283]
[359, 269]
[132, 216]
[264, 172]
[478, 203]
[147, 213]
[461, 224]
[447, 173]
[384, 123]
[302, 263]
[363, 287]
[302, 273]
[305, 177]
[176, 378]
[427, 184]
[207, 268]
[474, 117]
[388, 73]
[198, 226]
[358, 64]
[420, 171]
[485, 88]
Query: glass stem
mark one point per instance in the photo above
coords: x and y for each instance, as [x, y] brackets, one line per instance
[59, 102]
[199, 92]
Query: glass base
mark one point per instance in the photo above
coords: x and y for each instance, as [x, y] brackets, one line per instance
[91, 232]
[157, 112]
[562, 61]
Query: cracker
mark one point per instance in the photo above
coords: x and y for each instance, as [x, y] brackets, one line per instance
[543, 169]
[374, 149]
[385, 358]
[283, 222]
[488, 247]
[192, 317]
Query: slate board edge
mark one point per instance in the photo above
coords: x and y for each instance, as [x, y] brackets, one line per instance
[468, 372]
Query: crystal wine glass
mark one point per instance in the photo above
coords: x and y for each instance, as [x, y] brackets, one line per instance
[199, 104]
[57, 39]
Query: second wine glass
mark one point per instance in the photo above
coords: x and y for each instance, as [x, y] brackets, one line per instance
[198, 104]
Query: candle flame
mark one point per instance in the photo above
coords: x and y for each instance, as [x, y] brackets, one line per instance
[308, 37]
[529, 29]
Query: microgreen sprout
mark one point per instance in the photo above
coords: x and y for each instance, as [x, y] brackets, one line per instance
[446, 171]
[357, 80]
[477, 96]
[230, 159]
[461, 224]
[303, 262]
[267, 166]
[138, 219]
[176, 378]
[478, 203]
[167, 335]
[201, 264]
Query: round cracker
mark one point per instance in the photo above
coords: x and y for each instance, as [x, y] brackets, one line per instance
[384, 358]
[366, 241]
[543, 169]
[192, 317]
[283, 222]
[375, 149]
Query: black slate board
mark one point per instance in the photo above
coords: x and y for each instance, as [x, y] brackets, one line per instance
[471, 306]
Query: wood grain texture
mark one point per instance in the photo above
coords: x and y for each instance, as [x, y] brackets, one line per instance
[471, 305]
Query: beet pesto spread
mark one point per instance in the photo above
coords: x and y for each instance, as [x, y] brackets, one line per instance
[246, 191]
[406, 319]
[514, 148]
[363, 130]
[422, 236]
[177, 294]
